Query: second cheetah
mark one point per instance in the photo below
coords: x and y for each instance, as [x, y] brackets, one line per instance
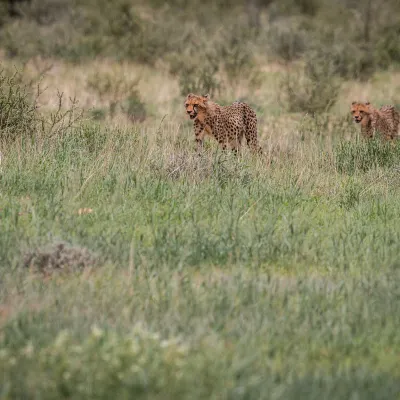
[384, 120]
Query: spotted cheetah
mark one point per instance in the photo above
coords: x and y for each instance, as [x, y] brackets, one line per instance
[227, 124]
[385, 120]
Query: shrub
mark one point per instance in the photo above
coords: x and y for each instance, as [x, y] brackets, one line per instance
[3, 12]
[312, 86]
[124, 32]
[134, 108]
[83, 29]
[324, 124]
[59, 256]
[366, 154]
[197, 74]
[388, 46]
[286, 41]
[44, 12]
[234, 51]
[119, 95]
[106, 364]
[349, 58]
[350, 195]
[18, 109]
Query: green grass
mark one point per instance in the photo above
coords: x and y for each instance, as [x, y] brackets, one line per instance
[220, 277]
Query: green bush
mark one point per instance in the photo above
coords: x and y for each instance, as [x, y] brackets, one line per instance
[312, 86]
[134, 108]
[197, 73]
[350, 59]
[388, 46]
[140, 365]
[44, 12]
[119, 95]
[147, 33]
[364, 155]
[286, 41]
[235, 52]
[323, 125]
[18, 109]
[81, 30]
[59, 256]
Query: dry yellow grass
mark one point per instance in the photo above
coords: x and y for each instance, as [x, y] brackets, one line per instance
[279, 131]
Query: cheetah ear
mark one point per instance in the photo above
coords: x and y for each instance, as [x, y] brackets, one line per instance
[367, 103]
[206, 96]
[354, 102]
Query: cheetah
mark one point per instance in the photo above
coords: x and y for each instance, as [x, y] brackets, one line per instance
[385, 120]
[227, 124]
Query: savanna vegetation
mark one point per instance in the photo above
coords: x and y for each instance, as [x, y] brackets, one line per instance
[131, 267]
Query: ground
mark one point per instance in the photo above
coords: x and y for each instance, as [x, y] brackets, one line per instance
[220, 277]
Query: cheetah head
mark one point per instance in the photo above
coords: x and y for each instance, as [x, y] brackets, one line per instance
[195, 103]
[359, 111]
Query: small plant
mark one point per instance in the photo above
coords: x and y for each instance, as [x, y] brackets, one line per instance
[18, 108]
[197, 73]
[119, 94]
[388, 46]
[324, 124]
[286, 42]
[98, 114]
[59, 256]
[199, 79]
[235, 54]
[365, 155]
[351, 195]
[134, 108]
[62, 119]
[312, 87]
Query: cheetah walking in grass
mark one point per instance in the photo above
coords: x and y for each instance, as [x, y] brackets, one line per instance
[384, 120]
[227, 124]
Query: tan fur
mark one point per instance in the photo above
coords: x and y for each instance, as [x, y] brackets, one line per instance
[385, 120]
[227, 124]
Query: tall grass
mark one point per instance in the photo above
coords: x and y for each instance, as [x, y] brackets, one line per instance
[131, 267]
[222, 277]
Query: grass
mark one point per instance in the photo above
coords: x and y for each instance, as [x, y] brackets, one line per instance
[216, 277]
[221, 277]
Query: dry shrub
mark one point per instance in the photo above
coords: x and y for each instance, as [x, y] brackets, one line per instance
[19, 114]
[59, 256]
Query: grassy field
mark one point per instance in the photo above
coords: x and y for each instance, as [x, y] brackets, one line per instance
[156, 273]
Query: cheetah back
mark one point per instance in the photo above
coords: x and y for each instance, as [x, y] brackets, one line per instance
[386, 120]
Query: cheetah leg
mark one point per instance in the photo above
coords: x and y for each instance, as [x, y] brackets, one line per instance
[367, 131]
[235, 144]
[252, 142]
[388, 136]
[251, 136]
[199, 135]
[225, 145]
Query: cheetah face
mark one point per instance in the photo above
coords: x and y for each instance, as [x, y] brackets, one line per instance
[359, 111]
[194, 104]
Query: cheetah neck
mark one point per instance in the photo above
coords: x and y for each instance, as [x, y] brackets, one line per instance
[211, 110]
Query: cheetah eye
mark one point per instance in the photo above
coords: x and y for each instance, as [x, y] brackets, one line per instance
[186, 105]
